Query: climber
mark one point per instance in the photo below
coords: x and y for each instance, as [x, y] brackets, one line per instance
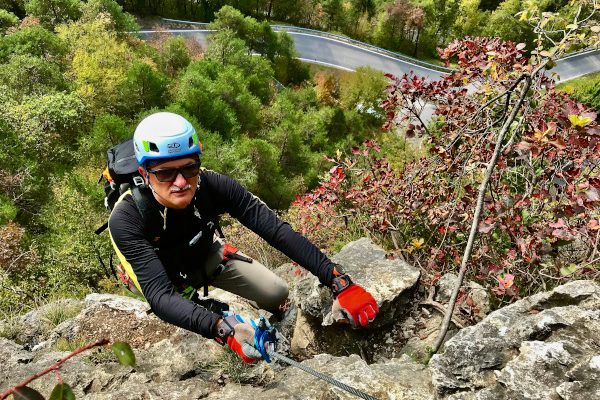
[164, 234]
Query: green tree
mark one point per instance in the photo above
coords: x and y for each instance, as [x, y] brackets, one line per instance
[43, 134]
[295, 157]
[232, 19]
[504, 23]
[198, 95]
[266, 41]
[232, 86]
[7, 20]
[54, 12]
[298, 12]
[98, 62]
[298, 110]
[334, 14]
[144, 88]
[225, 47]
[174, 55]
[35, 41]
[258, 37]
[11, 158]
[108, 130]
[47, 127]
[471, 21]
[364, 91]
[8, 210]
[25, 75]
[69, 262]
[265, 179]
[440, 17]
[121, 21]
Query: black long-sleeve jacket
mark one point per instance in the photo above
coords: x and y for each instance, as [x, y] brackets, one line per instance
[162, 258]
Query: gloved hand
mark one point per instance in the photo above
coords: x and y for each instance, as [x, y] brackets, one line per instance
[352, 302]
[239, 336]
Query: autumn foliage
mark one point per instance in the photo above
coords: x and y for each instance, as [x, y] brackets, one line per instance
[540, 225]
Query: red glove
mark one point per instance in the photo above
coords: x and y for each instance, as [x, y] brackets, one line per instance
[353, 303]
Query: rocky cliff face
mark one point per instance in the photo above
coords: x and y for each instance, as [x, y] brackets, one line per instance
[546, 346]
[543, 347]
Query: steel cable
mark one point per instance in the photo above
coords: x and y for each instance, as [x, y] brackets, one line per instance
[322, 376]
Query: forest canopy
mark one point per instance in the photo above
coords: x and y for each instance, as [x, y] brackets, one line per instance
[74, 83]
[75, 80]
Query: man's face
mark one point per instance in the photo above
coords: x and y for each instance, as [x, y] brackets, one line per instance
[176, 192]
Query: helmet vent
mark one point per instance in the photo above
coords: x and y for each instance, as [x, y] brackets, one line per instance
[153, 147]
[190, 142]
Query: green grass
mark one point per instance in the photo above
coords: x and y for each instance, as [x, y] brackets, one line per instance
[56, 313]
[68, 345]
[585, 89]
[10, 328]
[229, 365]
[315, 68]
[580, 84]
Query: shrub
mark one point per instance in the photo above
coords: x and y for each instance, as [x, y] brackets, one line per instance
[543, 199]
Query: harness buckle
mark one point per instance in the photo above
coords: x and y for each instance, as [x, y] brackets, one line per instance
[138, 181]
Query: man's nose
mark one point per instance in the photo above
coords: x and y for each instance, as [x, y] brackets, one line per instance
[180, 181]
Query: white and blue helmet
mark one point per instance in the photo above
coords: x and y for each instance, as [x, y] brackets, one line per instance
[164, 135]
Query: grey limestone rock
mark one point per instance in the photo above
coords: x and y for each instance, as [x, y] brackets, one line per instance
[536, 348]
[399, 378]
[366, 263]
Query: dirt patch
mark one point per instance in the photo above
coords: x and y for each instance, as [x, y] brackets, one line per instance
[124, 326]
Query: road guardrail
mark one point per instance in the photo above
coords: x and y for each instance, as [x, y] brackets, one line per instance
[341, 38]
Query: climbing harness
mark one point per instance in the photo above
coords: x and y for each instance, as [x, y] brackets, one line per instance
[265, 341]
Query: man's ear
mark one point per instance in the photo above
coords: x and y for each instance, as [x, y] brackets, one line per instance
[144, 174]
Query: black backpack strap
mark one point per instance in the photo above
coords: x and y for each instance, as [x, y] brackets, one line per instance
[218, 228]
[102, 228]
[147, 207]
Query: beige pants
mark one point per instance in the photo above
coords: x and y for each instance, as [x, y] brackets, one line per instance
[252, 281]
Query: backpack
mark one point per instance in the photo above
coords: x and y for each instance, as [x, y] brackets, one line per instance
[121, 174]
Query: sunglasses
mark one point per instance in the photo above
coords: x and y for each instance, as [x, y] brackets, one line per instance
[170, 174]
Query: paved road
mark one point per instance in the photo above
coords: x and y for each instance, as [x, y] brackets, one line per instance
[338, 54]
[577, 65]
[331, 52]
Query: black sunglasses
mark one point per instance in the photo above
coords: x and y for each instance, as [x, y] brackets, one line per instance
[170, 174]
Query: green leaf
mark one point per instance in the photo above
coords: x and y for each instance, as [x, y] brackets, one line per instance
[566, 271]
[124, 353]
[27, 393]
[62, 392]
